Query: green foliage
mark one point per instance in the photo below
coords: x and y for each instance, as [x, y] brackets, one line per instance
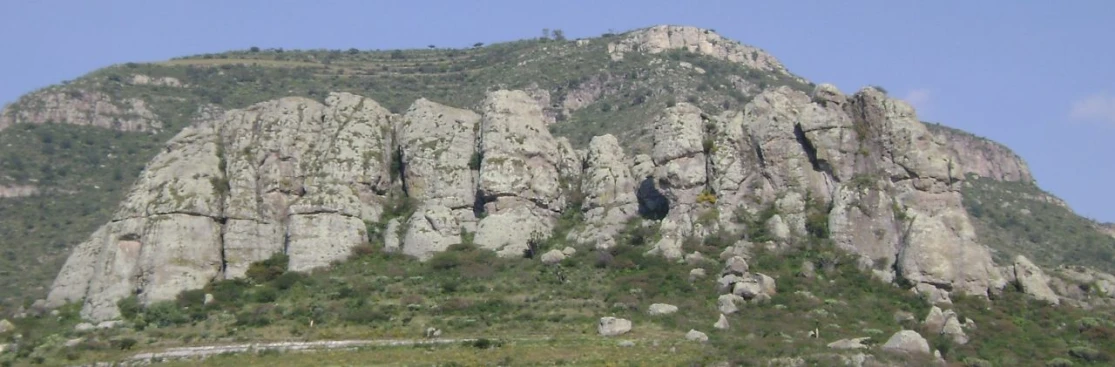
[706, 197]
[816, 218]
[475, 160]
[129, 307]
[264, 271]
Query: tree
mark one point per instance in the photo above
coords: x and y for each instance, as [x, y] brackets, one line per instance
[478, 44]
[559, 35]
[253, 49]
[430, 47]
[545, 33]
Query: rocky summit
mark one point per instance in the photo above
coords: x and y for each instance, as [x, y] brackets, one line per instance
[658, 155]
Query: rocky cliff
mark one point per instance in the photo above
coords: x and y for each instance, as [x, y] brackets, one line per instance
[981, 156]
[306, 178]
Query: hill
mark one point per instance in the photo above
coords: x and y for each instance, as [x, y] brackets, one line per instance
[431, 186]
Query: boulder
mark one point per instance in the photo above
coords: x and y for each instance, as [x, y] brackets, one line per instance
[612, 326]
[1033, 280]
[661, 309]
[6, 326]
[721, 323]
[85, 326]
[728, 303]
[553, 257]
[626, 343]
[695, 274]
[907, 342]
[696, 336]
[853, 343]
[736, 265]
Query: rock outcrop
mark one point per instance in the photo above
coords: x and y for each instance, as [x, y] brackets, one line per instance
[77, 106]
[437, 148]
[664, 38]
[291, 175]
[519, 181]
[608, 186]
[1032, 280]
[982, 157]
[306, 178]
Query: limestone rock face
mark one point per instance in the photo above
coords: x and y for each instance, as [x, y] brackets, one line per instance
[609, 193]
[81, 107]
[290, 175]
[519, 179]
[1033, 281]
[939, 245]
[680, 175]
[663, 38]
[982, 157]
[437, 145]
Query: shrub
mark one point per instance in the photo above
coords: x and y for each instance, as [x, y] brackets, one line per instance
[165, 314]
[1087, 353]
[474, 162]
[265, 294]
[124, 343]
[129, 307]
[706, 197]
[288, 280]
[264, 271]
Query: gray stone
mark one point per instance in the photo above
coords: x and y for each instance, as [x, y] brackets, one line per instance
[612, 326]
[907, 341]
[736, 265]
[661, 309]
[853, 343]
[85, 326]
[6, 326]
[696, 336]
[721, 323]
[1033, 280]
[728, 303]
[695, 274]
[553, 257]
[626, 343]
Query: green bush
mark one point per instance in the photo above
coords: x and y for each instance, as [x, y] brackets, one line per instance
[129, 307]
[264, 271]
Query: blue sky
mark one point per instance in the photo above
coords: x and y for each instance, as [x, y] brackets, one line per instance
[1038, 76]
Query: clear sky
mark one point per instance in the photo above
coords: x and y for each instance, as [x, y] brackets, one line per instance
[1038, 76]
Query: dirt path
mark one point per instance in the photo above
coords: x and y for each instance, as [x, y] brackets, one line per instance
[211, 350]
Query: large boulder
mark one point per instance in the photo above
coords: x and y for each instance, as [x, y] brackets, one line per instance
[1032, 280]
[907, 342]
[612, 326]
[661, 309]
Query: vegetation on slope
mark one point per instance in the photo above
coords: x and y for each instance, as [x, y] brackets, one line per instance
[520, 310]
[1019, 218]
